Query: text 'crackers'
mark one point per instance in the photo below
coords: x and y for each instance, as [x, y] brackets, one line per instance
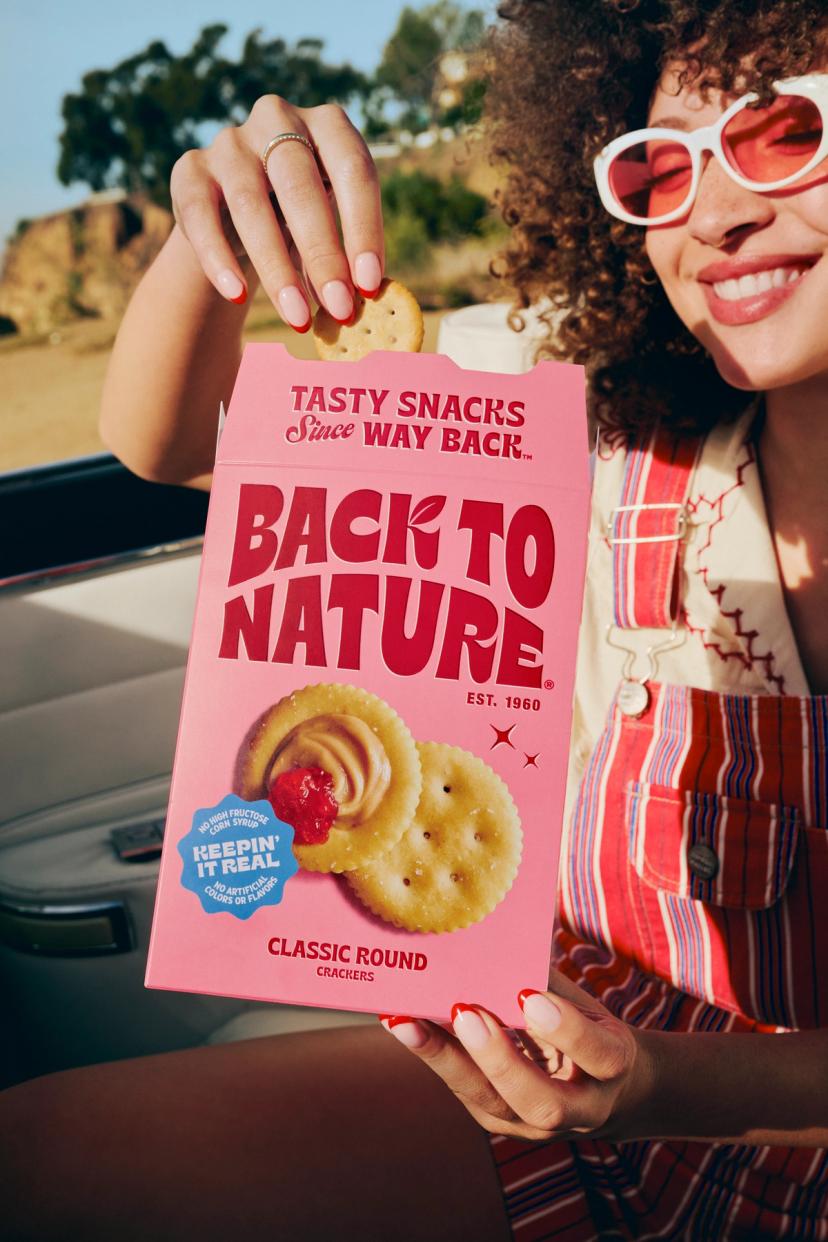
[369, 778]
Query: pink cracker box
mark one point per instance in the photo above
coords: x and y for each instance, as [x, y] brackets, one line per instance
[369, 777]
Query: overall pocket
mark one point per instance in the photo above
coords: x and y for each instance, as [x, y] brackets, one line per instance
[732, 893]
[717, 849]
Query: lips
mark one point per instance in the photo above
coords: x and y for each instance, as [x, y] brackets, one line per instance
[745, 289]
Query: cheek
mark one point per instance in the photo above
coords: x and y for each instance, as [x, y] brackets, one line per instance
[664, 247]
[811, 206]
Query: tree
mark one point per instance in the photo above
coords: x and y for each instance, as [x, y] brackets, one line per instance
[410, 65]
[128, 125]
[409, 61]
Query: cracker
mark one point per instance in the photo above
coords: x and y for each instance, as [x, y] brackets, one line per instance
[301, 719]
[460, 854]
[391, 320]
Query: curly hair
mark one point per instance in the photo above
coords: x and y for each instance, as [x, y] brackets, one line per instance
[565, 78]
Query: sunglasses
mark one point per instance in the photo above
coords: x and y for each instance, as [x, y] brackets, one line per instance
[650, 176]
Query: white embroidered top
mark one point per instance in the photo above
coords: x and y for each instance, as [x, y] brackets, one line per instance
[738, 638]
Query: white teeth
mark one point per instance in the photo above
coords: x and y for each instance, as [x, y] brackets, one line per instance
[758, 282]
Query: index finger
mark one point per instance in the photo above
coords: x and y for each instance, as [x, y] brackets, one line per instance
[450, 1061]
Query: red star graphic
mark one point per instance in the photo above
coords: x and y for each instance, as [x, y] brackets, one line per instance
[502, 737]
[531, 760]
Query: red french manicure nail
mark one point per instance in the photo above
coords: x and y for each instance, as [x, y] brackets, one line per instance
[302, 329]
[384, 1017]
[241, 299]
[367, 293]
[460, 1008]
[526, 992]
[397, 1019]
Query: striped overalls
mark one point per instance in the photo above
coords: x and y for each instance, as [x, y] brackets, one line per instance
[693, 891]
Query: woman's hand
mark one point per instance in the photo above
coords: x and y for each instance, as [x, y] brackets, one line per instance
[227, 206]
[580, 1072]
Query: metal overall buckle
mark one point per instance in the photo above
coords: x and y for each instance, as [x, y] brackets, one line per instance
[633, 694]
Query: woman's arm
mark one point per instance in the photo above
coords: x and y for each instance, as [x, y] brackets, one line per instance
[739, 1088]
[175, 358]
[587, 1074]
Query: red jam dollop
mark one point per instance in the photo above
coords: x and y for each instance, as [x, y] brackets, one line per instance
[304, 798]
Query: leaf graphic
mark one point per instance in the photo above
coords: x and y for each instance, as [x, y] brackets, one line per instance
[427, 510]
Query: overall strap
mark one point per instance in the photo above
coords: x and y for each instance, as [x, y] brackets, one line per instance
[646, 531]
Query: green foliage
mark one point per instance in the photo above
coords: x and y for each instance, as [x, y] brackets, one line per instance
[457, 28]
[445, 210]
[128, 125]
[420, 210]
[409, 59]
[409, 71]
[470, 108]
[406, 242]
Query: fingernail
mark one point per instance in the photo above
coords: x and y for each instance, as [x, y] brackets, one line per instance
[295, 309]
[542, 1013]
[469, 1027]
[368, 273]
[231, 287]
[337, 298]
[407, 1031]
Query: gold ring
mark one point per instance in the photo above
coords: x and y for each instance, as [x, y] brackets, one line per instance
[274, 142]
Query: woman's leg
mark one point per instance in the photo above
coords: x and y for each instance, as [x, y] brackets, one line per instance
[331, 1135]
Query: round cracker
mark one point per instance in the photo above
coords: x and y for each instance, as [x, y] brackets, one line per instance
[460, 854]
[391, 320]
[350, 847]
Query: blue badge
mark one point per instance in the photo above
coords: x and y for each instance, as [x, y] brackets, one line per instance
[237, 857]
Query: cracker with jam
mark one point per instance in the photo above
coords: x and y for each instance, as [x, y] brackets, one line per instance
[338, 765]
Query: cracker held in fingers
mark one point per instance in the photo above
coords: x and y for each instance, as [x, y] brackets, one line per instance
[391, 320]
[458, 857]
[338, 765]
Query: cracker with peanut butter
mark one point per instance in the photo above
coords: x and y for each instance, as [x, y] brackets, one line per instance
[339, 765]
[458, 857]
[390, 320]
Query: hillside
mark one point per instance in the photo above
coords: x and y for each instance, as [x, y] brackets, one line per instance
[79, 264]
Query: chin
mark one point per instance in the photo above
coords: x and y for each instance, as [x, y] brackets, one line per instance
[752, 372]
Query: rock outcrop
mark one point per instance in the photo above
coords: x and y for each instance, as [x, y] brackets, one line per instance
[79, 263]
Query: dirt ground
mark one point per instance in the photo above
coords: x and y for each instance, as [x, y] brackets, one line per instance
[51, 389]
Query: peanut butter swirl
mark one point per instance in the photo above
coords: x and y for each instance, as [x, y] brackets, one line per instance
[348, 749]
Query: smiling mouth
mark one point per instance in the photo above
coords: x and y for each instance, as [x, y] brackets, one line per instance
[740, 287]
[736, 297]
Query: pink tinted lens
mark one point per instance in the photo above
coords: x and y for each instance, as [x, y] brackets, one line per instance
[651, 179]
[770, 144]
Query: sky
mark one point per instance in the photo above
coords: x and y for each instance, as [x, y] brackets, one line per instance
[46, 46]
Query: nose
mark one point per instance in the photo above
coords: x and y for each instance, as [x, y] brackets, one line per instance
[724, 211]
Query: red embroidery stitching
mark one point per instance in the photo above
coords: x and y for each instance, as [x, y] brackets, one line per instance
[749, 658]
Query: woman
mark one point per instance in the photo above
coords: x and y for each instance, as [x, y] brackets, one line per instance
[678, 1082]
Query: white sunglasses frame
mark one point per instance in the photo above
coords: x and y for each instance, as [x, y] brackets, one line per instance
[813, 86]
